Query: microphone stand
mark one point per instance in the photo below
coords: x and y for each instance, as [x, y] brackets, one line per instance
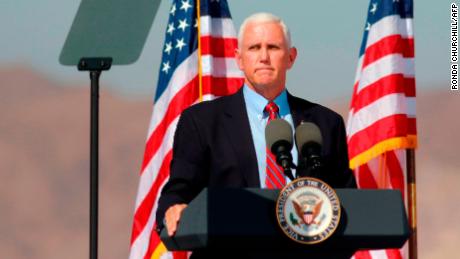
[284, 159]
[288, 173]
[310, 167]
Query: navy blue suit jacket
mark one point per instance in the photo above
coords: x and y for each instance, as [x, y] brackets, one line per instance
[213, 147]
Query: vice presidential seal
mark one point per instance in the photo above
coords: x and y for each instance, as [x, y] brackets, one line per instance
[308, 210]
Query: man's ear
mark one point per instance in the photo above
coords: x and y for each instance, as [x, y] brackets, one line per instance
[292, 56]
[238, 59]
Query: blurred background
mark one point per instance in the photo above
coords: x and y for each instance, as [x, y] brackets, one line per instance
[44, 120]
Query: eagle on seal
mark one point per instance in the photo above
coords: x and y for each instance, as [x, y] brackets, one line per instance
[307, 213]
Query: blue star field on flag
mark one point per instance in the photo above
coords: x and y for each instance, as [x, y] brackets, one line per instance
[379, 9]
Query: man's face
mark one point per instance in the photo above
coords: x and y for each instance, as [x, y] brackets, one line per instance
[264, 57]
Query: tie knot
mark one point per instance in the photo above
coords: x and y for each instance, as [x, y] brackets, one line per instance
[272, 110]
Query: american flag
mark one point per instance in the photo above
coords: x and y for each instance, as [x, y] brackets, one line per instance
[381, 121]
[179, 87]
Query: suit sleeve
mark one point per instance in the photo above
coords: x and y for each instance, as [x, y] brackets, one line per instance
[187, 169]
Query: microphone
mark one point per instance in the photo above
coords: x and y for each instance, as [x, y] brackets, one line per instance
[278, 136]
[309, 143]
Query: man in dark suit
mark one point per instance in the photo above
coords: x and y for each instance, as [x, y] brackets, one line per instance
[220, 143]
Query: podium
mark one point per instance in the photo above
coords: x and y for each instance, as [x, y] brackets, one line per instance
[241, 223]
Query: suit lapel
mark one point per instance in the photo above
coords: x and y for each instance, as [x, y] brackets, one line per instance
[300, 111]
[239, 132]
[296, 110]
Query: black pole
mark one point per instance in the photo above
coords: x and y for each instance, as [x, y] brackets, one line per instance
[94, 66]
[94, 163]
[412, 202]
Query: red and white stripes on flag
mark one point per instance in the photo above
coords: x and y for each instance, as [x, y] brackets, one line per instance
[381, 120]
[178, 88]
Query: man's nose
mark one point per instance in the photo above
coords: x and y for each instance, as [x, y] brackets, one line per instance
[264, 55]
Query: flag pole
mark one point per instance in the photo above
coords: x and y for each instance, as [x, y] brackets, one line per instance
[200, 83]
[411, 193]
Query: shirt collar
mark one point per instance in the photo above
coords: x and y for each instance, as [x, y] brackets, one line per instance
[256, 102]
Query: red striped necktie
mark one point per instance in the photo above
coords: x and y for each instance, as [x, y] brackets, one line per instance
[274, 174]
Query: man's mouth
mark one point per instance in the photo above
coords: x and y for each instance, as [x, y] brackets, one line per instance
[264, 69]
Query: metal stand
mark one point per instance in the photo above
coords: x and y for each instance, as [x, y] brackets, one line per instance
[104, 34]
[95, 66]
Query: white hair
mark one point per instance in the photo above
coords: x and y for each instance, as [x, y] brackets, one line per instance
[259, 18]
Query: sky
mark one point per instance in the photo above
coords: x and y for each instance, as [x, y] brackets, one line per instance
[327, 34]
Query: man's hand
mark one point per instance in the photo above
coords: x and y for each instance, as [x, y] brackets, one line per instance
[172, 217]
